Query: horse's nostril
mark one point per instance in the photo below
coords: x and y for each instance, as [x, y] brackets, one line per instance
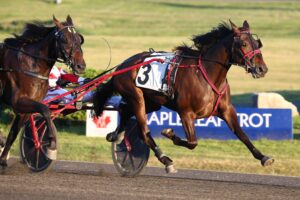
[81, 66]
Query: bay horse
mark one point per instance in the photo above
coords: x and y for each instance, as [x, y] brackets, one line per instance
[200, 90]
[25, 64]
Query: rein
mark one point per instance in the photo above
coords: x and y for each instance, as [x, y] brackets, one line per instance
[94, 83]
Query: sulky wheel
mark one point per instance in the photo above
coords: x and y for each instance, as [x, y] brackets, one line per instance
[35, 157]
[130, 155]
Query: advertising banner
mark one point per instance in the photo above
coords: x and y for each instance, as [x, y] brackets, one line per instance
[100, 126]
[274, 124]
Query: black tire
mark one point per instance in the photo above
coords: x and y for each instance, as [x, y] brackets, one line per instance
[35, 159]
[130, 163]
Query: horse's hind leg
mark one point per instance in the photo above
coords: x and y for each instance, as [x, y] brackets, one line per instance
[138, 105]
[230, 116]
[189, 129]
[125, 115]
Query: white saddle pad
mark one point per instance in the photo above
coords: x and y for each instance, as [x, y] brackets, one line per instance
[151, 76]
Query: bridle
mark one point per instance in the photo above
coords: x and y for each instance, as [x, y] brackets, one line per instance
[247, 56]
[61, 54]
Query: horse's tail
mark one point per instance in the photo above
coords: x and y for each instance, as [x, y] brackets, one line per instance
[101, 95]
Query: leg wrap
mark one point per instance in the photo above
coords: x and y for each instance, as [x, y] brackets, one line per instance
[158, 153]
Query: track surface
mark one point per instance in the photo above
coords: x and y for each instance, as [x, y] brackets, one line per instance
[74, 180]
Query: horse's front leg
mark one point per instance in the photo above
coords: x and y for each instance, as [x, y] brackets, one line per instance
[2, 141]
[17, 123]
[189, 129]
[25, 105]
[229, 115]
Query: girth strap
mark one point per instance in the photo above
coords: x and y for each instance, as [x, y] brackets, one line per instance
[28, 73]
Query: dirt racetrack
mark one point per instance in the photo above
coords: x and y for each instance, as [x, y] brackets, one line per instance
[74, 180]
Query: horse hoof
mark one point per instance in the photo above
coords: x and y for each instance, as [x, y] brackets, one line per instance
[1, 150]
[168, 132]
[52, 154]
[112, 137]
[266, 161]
[120, 137]
[3, 163]
[171, 169]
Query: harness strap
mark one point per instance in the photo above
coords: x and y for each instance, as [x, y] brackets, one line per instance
[219, 93]
[28, 73]
[171, 74]
[214, 88]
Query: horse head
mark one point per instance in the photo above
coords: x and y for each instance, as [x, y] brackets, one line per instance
[68, 45]
[246, 50]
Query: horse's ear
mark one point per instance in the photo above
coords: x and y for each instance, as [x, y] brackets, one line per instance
[246, 25]
[81, 39]
[57, 23]
[234, 28]
[69, 20]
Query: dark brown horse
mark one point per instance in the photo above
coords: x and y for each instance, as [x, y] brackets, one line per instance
[25, 64]
[200, 89]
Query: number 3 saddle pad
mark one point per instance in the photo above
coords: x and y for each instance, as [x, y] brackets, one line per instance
[152, 76]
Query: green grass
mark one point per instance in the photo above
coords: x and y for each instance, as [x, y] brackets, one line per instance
[135, 25]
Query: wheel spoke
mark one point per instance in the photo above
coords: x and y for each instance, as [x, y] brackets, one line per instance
[125, 158]
[30, 155]
[43, 134]
[37, 159]
[45, 144]
[120, 149]
[132, 162]
[44, 153]
[28, 138]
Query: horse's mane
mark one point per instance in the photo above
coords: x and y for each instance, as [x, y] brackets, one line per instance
[204, 41]
[32, 32]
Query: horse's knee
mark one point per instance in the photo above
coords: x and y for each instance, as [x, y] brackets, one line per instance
[192, 145]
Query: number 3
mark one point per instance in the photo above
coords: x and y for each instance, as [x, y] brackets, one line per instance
[147, 69]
